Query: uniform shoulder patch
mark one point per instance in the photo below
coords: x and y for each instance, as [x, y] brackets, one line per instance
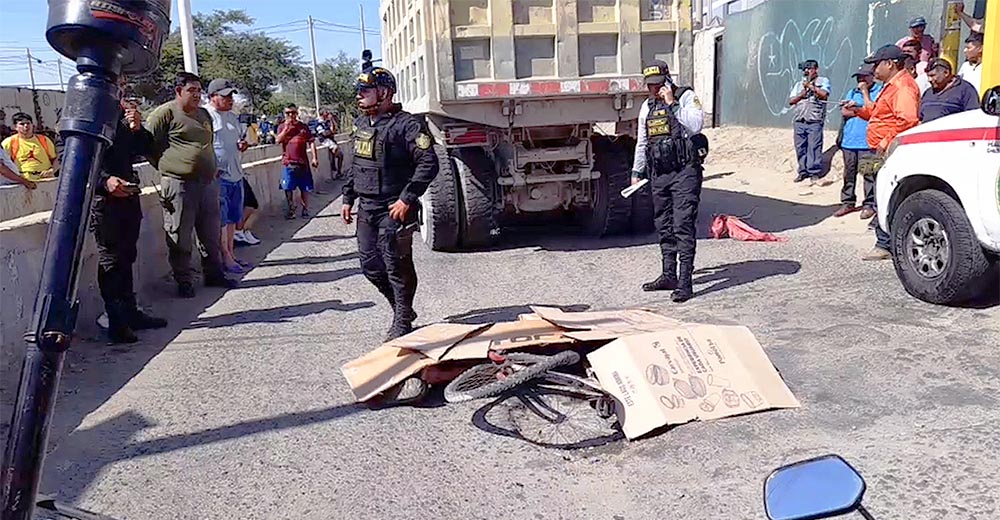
[423, 141]
[697, 102]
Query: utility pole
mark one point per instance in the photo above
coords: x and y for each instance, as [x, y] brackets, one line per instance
[31, 69]
[187, 36]
[312, 46]
[62, 84]
[364, 42]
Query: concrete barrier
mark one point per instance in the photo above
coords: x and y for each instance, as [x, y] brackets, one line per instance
[22, 245]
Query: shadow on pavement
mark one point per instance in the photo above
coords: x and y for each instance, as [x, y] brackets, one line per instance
[732, 275]
[277, 314]
[768, 214]
[86, 453]
[94, 371]
[308, 260]
[509, 313]
[288, 279]
[320, 238]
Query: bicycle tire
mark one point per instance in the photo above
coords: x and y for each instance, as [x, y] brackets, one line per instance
[572, 383]
[476, 383]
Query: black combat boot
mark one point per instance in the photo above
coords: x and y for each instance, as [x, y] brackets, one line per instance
[139, 320]
[118, 328]
[684, 290]
[666, 281]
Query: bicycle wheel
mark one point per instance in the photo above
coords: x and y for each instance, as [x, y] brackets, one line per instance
[572, 383]
[548, 418]
[489, 379]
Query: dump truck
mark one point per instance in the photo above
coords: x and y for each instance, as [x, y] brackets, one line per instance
[533, 107]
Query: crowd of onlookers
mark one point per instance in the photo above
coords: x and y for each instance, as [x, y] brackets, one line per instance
[898, 87]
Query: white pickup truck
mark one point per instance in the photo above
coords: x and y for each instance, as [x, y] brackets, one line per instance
[938, 195]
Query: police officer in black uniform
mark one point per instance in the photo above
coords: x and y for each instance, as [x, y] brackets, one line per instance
[116, 215]
[669, 152]
[394, 163]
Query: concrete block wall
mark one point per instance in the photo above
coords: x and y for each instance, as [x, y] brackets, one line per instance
[22, 244]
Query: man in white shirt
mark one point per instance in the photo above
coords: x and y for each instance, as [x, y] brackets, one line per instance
[229, 146]
[972, 69]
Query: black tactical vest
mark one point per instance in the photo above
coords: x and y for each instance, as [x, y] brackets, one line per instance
[381, 158]
[665, 141]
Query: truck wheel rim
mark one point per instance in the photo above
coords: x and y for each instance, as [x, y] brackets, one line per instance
[928, 248]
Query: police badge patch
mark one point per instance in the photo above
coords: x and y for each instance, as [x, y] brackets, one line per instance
[423, 141]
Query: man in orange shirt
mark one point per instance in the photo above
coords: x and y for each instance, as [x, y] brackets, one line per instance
[896, 110]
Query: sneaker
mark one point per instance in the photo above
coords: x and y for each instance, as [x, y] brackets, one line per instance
[398, 330]
[845, 209]
[250, 238]
[121, 334]
[234, 269]
[867, 213]
[290, 214]
[825, 181]
[245, 265]
[877, 254]
[813, 181]
[305, 213]
[240, 237]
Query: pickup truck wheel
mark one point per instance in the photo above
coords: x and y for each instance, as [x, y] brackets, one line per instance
[935, 251]
[440, 225]
[610, 213]
[478, 185]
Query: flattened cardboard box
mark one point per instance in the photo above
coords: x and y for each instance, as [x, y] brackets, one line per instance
[403, 357]
[688, 373]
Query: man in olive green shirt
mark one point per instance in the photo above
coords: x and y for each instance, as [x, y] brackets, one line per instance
[184, 155]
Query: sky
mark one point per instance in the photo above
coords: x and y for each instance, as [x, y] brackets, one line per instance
[22, 26]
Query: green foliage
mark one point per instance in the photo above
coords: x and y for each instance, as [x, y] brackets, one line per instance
[254, 61]
[336, 77]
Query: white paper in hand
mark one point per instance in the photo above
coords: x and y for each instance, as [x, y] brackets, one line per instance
[627, 192]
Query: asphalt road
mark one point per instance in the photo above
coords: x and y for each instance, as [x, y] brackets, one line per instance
[240, 410]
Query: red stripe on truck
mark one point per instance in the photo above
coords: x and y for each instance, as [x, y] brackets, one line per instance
[494, 89]
[543, 88]
[957, 134]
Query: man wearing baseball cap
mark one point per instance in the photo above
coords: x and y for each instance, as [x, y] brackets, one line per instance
[895, 111]
[928, 47]
[229, 146]
[855, 144]
[669, 151]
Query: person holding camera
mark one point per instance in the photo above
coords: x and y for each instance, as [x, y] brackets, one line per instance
[808, 100]
[116, 216]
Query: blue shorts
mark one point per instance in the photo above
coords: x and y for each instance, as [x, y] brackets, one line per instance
[230, 201]
[298, 177]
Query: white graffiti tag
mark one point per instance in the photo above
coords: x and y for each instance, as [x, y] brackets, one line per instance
[778, 57]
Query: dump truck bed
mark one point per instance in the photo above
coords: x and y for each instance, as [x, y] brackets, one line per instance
[449, 54]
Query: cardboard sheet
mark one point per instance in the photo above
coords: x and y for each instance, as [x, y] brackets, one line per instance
[688, 373]
[382, 368]
[507, 335]
[605, 325]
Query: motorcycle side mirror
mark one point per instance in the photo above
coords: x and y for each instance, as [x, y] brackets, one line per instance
[813, 489]
[991, 101]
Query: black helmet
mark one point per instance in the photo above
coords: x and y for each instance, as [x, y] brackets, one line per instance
[377, 77]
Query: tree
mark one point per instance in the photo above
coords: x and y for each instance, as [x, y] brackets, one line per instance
[336, 77]
[257, 63]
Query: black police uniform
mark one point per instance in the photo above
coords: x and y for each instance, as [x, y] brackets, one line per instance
[393, 160]
[674, 162]
[115, 222]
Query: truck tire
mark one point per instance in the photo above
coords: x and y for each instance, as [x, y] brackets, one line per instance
[610, 213]
[440, 226]
[935, 251]
[478, 185]
[642, 200]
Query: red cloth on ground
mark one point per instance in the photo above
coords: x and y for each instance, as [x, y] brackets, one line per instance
[733, 227]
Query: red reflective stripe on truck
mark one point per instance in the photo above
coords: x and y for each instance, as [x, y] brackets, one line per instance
[957, 134]
[548, 88]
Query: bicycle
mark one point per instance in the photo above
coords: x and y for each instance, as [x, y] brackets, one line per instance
[546, 407]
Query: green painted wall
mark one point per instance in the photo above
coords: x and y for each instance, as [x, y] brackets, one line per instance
[763, 46]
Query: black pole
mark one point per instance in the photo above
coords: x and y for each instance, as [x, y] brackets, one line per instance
[105, 38]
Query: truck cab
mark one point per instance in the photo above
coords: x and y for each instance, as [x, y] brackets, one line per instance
[938, 196]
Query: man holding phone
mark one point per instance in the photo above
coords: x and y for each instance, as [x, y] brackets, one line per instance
[116, 217]
[808, 102]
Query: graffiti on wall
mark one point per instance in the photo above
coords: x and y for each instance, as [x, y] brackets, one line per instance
[779, 54]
